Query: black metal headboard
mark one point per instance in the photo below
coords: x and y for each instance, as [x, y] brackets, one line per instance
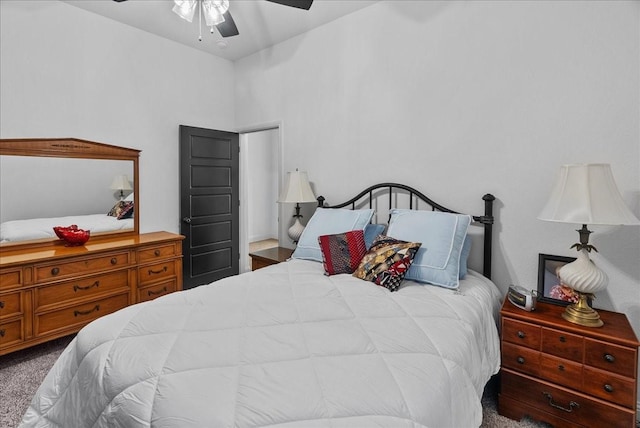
[485, 220]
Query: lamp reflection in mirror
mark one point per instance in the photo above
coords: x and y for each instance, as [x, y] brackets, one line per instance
[585, 194]
[121, 183]
[297, 190]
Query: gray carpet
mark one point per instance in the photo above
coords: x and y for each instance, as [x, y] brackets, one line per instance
[21, 372]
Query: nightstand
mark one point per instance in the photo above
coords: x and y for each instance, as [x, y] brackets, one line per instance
[566, 374]
[268, 257]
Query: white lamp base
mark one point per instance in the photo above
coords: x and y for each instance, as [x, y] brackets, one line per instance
[296, 230]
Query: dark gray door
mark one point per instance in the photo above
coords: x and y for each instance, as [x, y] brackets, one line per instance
[209, 204]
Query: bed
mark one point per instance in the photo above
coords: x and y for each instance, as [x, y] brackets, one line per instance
[291, 345]
[41, 228]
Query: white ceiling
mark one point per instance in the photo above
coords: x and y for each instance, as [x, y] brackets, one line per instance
[261, 23]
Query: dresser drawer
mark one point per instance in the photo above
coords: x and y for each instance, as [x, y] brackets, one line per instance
[155, 272]
[562, 344]
[610, 357]
[71, 291]
[561, 371]
[616, 389]
[564, 403]
[76, 316]
[521, 333]
[11, 332]
[520, 358]
[157, 290]
[154, 253]
[11, 279]
[11, 305]
[89, 265]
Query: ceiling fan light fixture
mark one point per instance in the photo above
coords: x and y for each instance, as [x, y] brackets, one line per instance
[185, 9]
[214, 11]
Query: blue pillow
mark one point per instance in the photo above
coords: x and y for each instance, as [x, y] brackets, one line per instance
[464, 256]
[442, 236]
[371, 232]
[328, 221]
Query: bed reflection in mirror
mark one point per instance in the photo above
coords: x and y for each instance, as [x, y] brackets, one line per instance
[38, 193]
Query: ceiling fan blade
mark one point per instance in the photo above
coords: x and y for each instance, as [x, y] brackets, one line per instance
[228, 27]
[300, 4]
[119, 1]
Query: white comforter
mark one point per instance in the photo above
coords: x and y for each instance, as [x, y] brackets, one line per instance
[40, 228]
[284, 346]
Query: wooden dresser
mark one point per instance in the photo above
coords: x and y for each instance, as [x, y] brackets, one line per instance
[52, 291]
[566, 374]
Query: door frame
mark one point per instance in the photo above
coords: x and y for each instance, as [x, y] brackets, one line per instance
[245, 262]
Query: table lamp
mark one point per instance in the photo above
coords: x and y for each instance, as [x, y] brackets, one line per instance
[297, 190]
[585, 194]
[121, 183]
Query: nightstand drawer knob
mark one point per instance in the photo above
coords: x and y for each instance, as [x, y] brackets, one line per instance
[520, 360]
[569, 409]
[563, 339]
[521, 334]
[609, 358]
[608, 388]
[561, 367]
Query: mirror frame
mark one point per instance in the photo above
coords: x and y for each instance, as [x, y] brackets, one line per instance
[80, 149]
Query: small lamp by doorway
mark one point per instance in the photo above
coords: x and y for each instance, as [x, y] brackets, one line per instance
[121, 183]
[297, 191]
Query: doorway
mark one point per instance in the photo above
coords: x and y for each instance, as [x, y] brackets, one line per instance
[260, 172]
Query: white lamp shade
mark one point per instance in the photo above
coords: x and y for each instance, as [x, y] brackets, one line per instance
[121, 182]
[587, 194]
[297, 189]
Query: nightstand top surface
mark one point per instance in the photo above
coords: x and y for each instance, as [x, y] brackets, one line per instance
[278, 254]
[616, 325]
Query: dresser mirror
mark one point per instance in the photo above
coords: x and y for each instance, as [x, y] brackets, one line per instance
[45, 182]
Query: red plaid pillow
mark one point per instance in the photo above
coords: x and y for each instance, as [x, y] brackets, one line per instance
[341, 253]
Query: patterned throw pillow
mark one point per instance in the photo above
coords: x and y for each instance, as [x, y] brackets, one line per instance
[342, 252]
[122, 209]
[387, 262]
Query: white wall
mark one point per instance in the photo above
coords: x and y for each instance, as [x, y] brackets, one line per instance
[65, 72]
[262, 181]
[462, 98]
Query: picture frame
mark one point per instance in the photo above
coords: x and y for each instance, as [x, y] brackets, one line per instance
[550, 288]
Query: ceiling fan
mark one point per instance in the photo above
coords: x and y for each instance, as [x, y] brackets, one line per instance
[217, 13]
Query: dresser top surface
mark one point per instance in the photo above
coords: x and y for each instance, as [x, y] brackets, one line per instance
[58, 250]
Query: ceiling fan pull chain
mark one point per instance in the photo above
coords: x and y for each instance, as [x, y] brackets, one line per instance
[200, 21]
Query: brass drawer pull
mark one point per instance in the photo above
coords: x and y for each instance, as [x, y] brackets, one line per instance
[2, 332]
[155, 272]
[608, 388]
[55, 271]
[95, 308]
[609, 358]
[155, 293]
[572, 404]
[520, 360]
[114, 261]
[521, 334]
[79, 287]
[157, 253]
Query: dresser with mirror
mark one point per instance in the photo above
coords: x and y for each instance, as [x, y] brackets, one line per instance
[49, 289]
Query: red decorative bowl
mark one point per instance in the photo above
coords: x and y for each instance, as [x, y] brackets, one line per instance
[72, 235]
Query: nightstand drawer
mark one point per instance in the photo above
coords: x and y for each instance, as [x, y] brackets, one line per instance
[608, 356]
[11, 333]
[616, 389]
[11, 279]
[561, 371]
[521, 333]
[562, 344]
[520, 358]
[563, 403]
